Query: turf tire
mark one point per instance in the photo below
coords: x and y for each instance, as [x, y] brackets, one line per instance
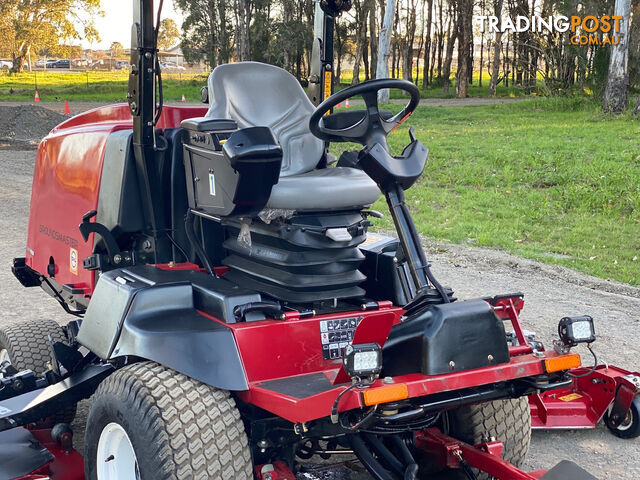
[27, 344]
[508, 421]
[179, 428]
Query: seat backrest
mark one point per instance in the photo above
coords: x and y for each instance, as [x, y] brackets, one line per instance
[257, 94]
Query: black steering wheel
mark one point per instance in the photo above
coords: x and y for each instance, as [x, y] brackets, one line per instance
[366, 127]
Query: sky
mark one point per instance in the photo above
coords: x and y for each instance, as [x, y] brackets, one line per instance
[115, 26]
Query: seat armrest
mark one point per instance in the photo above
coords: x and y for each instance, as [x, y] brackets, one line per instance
[205, 124]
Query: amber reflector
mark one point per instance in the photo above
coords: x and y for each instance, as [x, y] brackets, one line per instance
[562, 362]
[390, 393]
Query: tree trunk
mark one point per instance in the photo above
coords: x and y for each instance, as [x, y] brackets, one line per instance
[446, 68]
[615, 93]
[636, 111]
[427, 46]
[465, 40]
[497, 48]
[243, 19]
[361, 33]
[373, 42]
[384, 44]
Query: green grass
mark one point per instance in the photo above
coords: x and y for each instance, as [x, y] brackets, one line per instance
[435, 90]
[112, 86]
[549, 179]
[91, 86]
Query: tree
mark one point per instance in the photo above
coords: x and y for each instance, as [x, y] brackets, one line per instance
[116, 49]
[465, 44]
[203, 33]
[497, 48]
[615, 93]
[384, 45]
[168, 34]
[33, 25]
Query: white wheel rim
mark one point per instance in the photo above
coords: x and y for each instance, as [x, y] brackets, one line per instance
[627, 422]
[116, 458]
[4, 357]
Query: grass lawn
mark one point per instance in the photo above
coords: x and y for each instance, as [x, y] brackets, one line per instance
[549, 179]
[92, 86]
[112, 86]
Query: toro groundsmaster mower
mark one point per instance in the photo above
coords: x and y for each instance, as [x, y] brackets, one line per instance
[233, 318]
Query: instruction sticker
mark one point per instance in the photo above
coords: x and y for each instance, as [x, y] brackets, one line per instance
[212, 184]
[337, 334]
[73, 261]
[570, 397]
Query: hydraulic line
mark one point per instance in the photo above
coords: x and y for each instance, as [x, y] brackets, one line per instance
[367, 459]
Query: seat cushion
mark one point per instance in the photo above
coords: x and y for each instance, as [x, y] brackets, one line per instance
[337, 188]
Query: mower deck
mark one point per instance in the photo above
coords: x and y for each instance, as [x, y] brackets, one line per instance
[585, 402]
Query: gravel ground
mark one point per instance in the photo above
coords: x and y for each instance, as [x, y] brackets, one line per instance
[26, 123]
[551, 292]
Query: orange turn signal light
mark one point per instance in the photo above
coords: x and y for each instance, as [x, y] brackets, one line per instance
[562, 362]
[388, 393]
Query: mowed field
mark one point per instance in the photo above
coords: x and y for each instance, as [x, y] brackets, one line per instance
[550, 179]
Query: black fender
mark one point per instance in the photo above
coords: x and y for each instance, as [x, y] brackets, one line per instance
[153, 314]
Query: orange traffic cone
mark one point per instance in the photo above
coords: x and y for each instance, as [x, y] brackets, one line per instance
[346, 103]
[183, 99]
[37, 97]
[338, 106]
[67, 110]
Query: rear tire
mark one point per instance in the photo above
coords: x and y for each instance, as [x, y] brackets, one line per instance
[26, 345]
[171, 425]
[508, 421]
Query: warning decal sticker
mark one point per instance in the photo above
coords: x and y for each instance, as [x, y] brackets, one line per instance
[73, 261]
[337, 334]
[570, 397]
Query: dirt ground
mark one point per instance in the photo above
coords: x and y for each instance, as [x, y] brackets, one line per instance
[27, 123]
[551, 293]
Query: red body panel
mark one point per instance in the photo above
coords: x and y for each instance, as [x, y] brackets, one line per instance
[66, 183]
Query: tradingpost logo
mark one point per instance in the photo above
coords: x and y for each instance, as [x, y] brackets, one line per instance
[584, 29]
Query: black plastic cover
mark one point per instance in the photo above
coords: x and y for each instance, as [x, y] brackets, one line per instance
[150, 313]
[446, 338]
[386, 170]
[567, 470]
[21, 453]
[236, 181]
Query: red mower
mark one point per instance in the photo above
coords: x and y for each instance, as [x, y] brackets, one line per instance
[233, 319]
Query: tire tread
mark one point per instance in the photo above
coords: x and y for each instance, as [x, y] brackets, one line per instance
[195, 430]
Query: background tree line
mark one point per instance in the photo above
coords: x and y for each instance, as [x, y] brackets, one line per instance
[431, 39]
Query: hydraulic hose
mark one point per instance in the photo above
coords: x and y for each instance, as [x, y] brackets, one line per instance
[367, 459]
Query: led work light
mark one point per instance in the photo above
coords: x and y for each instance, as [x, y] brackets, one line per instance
[363, 361]
[574, 330]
